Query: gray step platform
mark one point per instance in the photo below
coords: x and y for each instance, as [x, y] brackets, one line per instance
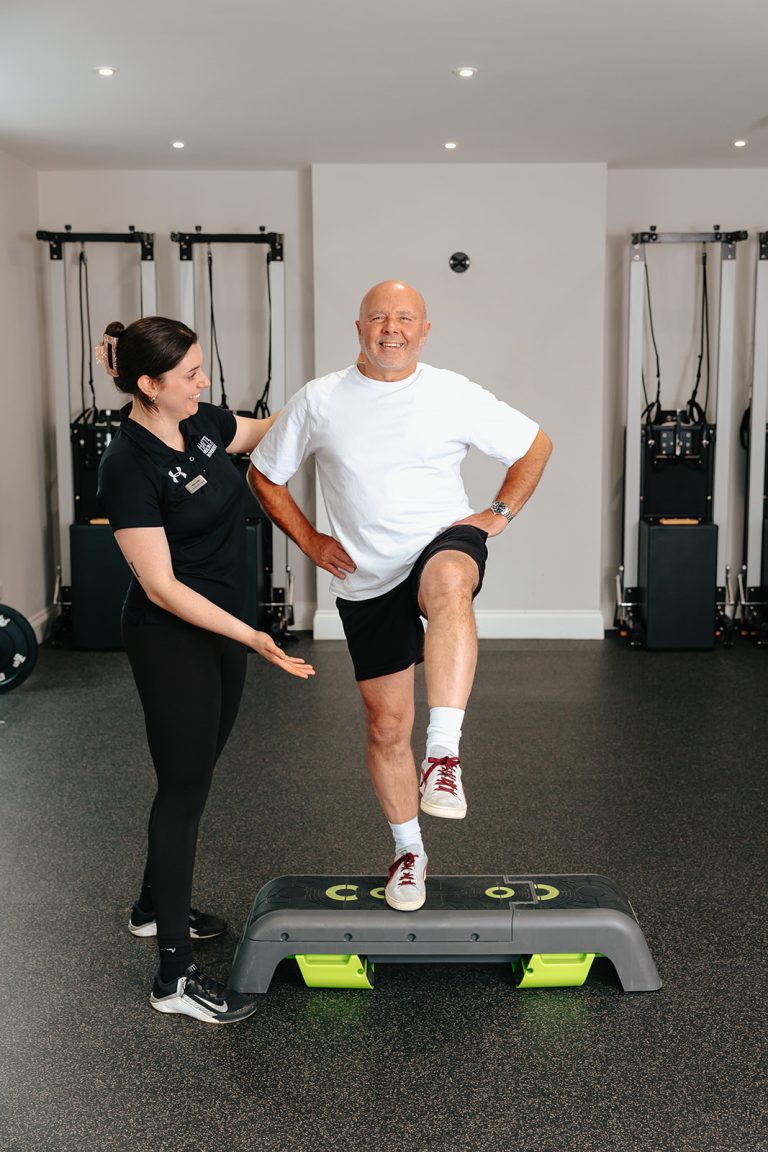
[480, 919]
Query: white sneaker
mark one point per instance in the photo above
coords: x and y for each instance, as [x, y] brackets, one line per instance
[442, 793]
[406, 888]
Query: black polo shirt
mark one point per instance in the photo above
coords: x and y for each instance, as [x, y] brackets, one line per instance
[196, 496]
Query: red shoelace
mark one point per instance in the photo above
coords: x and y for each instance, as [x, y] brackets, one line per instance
[407, 860]
[446, 774]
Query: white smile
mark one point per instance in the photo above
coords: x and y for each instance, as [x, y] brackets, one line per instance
[389, 345]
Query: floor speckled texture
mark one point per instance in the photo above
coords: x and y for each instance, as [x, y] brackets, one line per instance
[649, 768]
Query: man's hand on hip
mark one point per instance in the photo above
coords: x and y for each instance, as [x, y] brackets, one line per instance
[486, 521]
[328, 554]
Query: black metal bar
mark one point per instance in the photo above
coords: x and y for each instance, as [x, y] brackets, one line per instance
[185, 240]
[57, 239]
[688, 237]
[763, 240]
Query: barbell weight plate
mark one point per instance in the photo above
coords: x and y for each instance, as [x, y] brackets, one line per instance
[18, 648]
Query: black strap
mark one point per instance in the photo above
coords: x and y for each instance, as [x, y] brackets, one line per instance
[214, 342]
[652, 412]
[85, 320]
[261, 407]
[697, 414]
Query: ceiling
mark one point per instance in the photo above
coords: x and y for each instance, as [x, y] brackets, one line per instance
[276, 84]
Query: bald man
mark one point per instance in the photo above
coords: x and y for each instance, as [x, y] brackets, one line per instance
[388, 435]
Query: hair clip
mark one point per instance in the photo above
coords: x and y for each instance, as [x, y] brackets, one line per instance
[106, 354]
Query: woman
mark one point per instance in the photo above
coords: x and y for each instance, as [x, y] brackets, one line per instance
[174, 501]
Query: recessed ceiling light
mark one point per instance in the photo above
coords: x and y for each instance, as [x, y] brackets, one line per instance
[450, 145]
[466, 73]
[739, 143]
[177, 144]
[106, 70]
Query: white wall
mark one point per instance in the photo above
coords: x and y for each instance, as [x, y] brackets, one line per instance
[677, 201]
[535, 318]
[26, 576]
[162, 202]
[526, 321]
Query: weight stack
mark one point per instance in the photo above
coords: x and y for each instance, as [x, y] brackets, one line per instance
[677, 584]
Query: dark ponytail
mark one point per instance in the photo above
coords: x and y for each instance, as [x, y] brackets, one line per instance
[150, 346]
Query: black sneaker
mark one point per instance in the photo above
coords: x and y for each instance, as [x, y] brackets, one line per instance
[202, 925]
[194, 994]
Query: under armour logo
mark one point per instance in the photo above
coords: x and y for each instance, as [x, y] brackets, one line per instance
[175, 475]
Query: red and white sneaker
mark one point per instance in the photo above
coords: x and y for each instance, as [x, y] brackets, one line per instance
[406, 888]
[442, 793]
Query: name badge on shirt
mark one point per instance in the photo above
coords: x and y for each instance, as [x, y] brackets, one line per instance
[198, 482]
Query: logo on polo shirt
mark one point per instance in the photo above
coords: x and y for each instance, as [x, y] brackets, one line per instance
[207, 446]
[174, 475]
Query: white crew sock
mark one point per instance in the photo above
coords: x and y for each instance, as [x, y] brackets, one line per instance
[444, 731]
[408, 837]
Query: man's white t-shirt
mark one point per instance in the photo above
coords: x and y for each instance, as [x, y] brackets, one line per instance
[389, 455]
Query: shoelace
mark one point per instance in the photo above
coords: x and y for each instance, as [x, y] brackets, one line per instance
[205, 985]
[446, 774]
[407, 860]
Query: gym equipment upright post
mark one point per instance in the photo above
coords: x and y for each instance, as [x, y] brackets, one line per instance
[59, 361]
[753, 578]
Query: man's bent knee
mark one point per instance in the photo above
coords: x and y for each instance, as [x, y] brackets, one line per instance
[449, 580]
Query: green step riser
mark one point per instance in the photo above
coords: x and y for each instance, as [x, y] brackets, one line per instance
[540, 971]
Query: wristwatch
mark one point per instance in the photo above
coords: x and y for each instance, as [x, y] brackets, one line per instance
[499, 508]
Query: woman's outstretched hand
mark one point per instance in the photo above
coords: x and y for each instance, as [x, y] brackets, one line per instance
[265, 646]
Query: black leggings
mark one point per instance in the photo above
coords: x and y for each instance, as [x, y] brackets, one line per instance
[190, 682]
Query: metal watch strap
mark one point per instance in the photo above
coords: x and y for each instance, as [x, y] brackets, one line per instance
[499, 508]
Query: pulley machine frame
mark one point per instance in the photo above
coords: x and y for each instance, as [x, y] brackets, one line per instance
[59, 364]
[280, 606]
[276, 278]
[627, 592]
[753, 594]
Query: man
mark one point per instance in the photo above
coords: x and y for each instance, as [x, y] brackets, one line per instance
[389, 435]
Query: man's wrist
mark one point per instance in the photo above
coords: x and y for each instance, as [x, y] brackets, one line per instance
[499, 508]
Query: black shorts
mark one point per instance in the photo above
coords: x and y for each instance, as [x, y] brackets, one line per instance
[385, 634]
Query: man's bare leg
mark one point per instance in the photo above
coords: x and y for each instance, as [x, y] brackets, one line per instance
[446, 587]
[389, 714]
[450, 651]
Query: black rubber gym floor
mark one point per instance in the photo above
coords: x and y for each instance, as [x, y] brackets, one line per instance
[649, 768]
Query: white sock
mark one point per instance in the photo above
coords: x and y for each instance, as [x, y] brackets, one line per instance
[444, 730]
[408, 837]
